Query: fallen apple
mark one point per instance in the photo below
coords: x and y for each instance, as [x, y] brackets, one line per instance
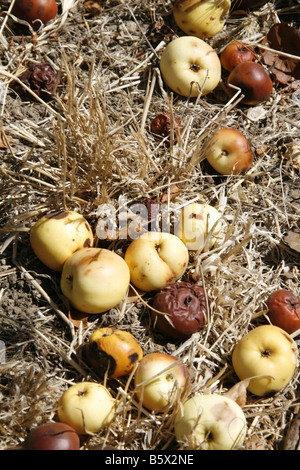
[210, 422]
[95, 280]
[229, 152]
[52, 436]
[87, 407]
[155, 260]
[268, 353]
[34, 10]
[160, 380]
[254, 82]
[284, 310]
[196, 222]
[203, 19]
[112, 351]
[56, 236]
[235, 53]
[190, 66]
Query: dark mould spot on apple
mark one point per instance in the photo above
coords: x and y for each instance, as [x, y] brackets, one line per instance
[196, 216]
[87, 243]
[133, 358]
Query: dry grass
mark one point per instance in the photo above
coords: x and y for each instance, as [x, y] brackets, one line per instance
[92, 144]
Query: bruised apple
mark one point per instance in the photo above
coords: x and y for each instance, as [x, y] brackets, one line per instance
[203, 19]
[195, 223]
[229, 152]
[210, 422]
[56, 236]
[235, 53]
[253, 80]
[269, 352]
[87, 407]
[95, 280]
[160, 380]
[190, 66]
[155, 260]
[284, 310]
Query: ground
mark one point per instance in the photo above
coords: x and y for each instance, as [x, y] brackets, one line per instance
[91, 144]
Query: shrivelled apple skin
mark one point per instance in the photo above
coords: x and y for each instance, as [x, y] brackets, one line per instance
[267, 351]
[190, 66]
[95, 280]
[229, 152]
[284, 310]
[211, 422]
[203, 19]
[56, 236]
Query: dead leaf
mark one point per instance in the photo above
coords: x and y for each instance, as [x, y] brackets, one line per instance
[285, 38]
[78, 318]
[293, 240]
[4, 141]
[172, 193]
[238, 392]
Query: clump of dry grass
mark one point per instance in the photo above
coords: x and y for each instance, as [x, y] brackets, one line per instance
[91, 145]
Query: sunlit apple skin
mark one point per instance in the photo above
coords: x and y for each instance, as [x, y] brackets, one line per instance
[87, 407]
[254, 82]
[284, 310]
[113, 351]
[235, 53]
[210, 422]
[159, 381]
[190, 66]
[155, 260]
[195, 222]
[265, 350]
[95, 280]
[229, 152]
[203, 19]
[32, 10]
[56, 236]
[52, 436]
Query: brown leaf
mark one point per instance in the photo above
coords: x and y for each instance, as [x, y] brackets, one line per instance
[77, 317]
[238, 392]
[293, 240]
[174, 191]
[5, 139]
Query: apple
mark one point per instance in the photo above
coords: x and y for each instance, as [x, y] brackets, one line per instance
[284, 310]
[235, 53]
[52, 436]
[33, 10]
[202, 19]
[229, 152]
[269, 352]
[95, 280]
[155, 260]
[195, 223]
[160, 380]
[87, 407]
[210, 422]
[253, 80]
[113, 351]
[56, 236]
[190, 66]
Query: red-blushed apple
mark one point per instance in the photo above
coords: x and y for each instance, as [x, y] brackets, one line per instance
[284, 310]
[160, 380]
[155, 260]
[235, 53]
[202, 19]
[195, 223]
[190, 66]
[95, 280]
[87, 407]
[269, 352]
[229, 152]
[52, 436]
[253, 80]
[56, 236]
[33, 10]
[210, 422]
[113, 351]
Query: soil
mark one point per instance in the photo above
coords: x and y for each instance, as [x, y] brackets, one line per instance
[90, 144]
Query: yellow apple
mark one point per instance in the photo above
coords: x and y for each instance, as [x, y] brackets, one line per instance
[95, 280]
[267, 351]
[87, 407]
[229, 152]
[203, 18]
[159, 380]
[196, 221]
[155, 260]
[56, 236]
[210, 422]
[190, 66]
